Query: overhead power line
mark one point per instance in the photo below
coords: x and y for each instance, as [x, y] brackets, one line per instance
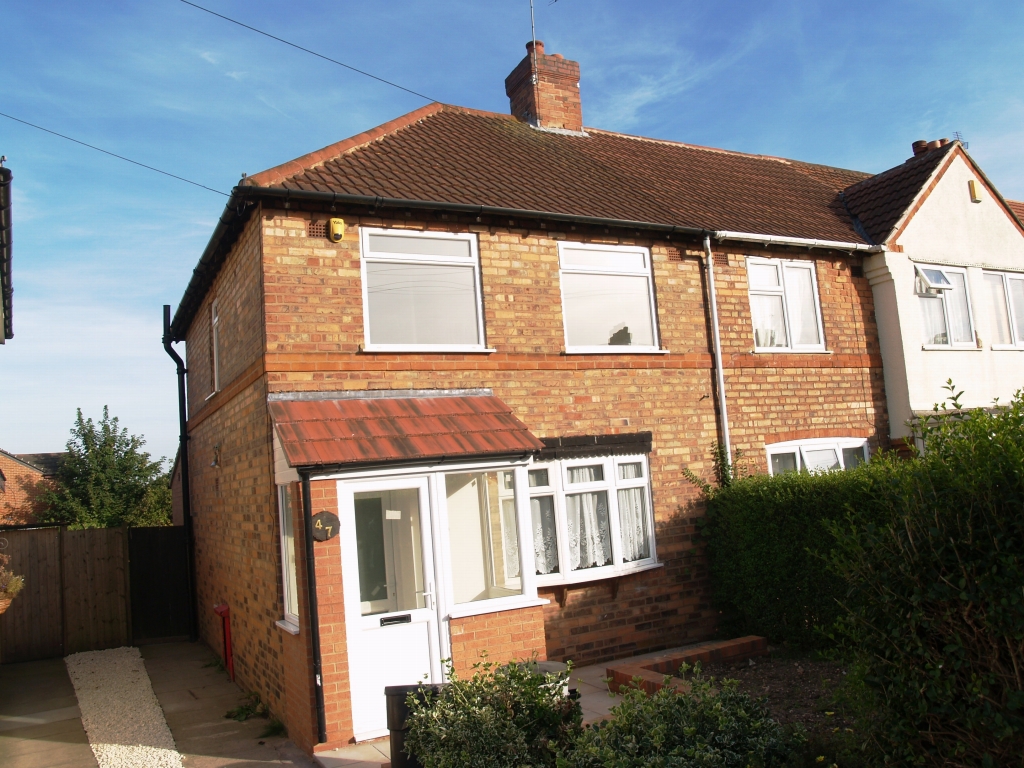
[113, 154]
[314, 53]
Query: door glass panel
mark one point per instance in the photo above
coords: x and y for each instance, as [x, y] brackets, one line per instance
[389, 551]
[483, 534]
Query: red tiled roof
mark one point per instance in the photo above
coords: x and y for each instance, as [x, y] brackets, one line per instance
[879, 202]
[1018, 208]
[453, 155]
[332, 432]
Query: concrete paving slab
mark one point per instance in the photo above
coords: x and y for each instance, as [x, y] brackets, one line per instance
[370, 754]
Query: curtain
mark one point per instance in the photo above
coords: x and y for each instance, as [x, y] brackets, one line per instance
[591, 474]
[511, 536]
[545, 540]
[631, 471]
[959, 315]
[769, 320]
[934, 320]
[636, 543]
[803, 318]
[996, 296]
[590, 544]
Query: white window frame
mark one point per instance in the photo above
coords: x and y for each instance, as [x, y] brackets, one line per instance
[940, 293]
[215, 333]
[647, 272]
[1016, 341]
[800, 446]
[559, 487]
[781, 265]
[407, 258]
[289, 581]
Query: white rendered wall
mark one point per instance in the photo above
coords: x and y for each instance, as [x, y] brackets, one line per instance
[949, 230]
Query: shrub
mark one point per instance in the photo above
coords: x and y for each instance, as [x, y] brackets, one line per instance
[762, 534]
[502, 717]
[10, 585]
[935, 607]
[705, 727]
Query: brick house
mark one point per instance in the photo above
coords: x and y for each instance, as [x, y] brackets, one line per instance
[444, 377]
[24, 477]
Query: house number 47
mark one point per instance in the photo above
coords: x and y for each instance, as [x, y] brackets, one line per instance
[325, 526]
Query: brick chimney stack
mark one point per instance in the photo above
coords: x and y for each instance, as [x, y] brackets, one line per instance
[552, 99]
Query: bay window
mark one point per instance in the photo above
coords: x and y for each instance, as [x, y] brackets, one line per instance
[784, 305]
[816, 455]
[591, 518]
[421, 291]
[1004, 293]
[945, 307]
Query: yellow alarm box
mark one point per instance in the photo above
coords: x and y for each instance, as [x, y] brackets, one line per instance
[336, 230]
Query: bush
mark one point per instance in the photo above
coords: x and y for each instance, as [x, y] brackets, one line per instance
[502, 717]
[935, 603]
[709, 728]
[762, 534]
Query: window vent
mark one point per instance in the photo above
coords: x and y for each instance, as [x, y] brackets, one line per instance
[317, 229]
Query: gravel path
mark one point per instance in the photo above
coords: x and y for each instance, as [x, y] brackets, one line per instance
[122, 718]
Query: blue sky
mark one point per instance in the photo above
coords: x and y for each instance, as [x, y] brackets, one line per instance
[100, 245]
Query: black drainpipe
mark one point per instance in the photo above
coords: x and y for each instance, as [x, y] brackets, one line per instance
[314, 615]
[186, 494]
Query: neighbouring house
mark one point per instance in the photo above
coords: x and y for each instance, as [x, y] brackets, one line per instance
[24, 477]
[948, 282]
[6, 256]
[444, 377]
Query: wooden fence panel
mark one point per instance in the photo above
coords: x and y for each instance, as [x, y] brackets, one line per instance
[31, 628]
[96, 614]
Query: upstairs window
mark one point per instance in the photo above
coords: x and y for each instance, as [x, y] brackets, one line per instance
[1004, 293]
[607, 298]
[816, 455]
[421, 291]
[784, 305]
[215, 345]
[945, 306]
[591, 518]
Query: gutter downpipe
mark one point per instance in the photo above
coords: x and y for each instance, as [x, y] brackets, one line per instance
[186, 490]
[6, 255]
[314, 613]
[719, 371]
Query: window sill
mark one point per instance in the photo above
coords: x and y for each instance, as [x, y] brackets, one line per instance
[1005, 348]
[623, 350]
[425, 350]
[288, 626]
[595, 574]
[789, 351]
[495, 605]
[949, 348]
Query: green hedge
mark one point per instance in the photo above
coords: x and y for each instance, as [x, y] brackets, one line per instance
[762, 534]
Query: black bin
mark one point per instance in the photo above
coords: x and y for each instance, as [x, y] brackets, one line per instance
[398, 711]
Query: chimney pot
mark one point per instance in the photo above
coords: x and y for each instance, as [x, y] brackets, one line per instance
[540, 47]
[934, 144]
[943, 142]
[920, 147]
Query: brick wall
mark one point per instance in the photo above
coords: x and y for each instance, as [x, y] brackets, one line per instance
[19, 501]
[505, 636]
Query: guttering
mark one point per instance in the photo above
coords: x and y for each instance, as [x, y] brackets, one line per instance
[186, 491]
[314, 612]
[719, 370]
[6, 255]
[803, 242]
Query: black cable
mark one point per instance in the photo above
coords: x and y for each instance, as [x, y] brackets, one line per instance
[307, 50]
[113, 154]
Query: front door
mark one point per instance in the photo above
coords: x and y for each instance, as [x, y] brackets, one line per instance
[390, 610]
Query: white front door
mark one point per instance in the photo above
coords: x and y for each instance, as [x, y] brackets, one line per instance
[390, 611]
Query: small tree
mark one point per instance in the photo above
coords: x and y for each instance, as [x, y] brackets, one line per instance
[106, 480]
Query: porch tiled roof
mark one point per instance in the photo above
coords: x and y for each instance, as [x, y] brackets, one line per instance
[357, 431]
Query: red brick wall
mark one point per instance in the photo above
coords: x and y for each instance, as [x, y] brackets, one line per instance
[505, 636]
[19, 502]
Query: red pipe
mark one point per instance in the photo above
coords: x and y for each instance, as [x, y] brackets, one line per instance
[224, 612]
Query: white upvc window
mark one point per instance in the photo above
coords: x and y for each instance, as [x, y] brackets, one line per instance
[1004, 293]
[816, 455]
[945, 307]
[784, 305]
[607, 298]
[591, 518]
[289, 578]
[421, 291]
[215, 345]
